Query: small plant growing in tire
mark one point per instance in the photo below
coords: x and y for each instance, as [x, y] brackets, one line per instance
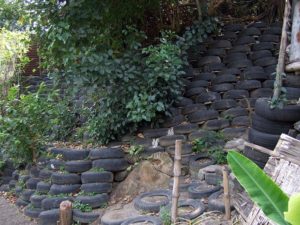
[82, 207]
[165, 216]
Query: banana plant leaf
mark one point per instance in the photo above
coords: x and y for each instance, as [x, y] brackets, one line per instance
[261, 189]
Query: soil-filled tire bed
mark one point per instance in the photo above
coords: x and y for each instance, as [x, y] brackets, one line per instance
[263, 139]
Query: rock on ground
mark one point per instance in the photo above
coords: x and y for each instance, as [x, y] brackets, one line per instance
[10, 214]
[148, 175]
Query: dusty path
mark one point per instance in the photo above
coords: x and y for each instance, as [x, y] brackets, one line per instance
[10, 214]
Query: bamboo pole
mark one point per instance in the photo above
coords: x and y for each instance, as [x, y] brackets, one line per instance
[226, 194]
[177, 173]
[65, 213]
[281, 56]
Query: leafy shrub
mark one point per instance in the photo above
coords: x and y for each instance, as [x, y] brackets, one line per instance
[82, 207]
[26, 123]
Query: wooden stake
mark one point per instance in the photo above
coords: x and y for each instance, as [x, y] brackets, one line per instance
[199, 10]
[177, 173]
[282, 50]
[226, 194]
[65, 213]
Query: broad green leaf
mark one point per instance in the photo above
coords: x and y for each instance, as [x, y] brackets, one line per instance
[293, 215]
[262, 190]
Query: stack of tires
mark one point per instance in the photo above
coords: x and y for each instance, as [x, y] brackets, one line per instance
[267, 126]
[85, 176]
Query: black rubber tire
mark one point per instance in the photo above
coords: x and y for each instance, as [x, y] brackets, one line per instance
[15, 175]
[65, 178]
[245, 40]
[214, 204]
[240, 63]
[273, 30]
[208, 97]
[26, 194]
[54, 202]
[199, 191]
[97, 177]
[57, 151]
[260, 25]
[248, 84]
[221, 44]
[235, 56]
[113, 165]
[196, 166]
[269, 38]
[265, 61]
[224, 104]
[197, 205]
[263, 46]
[198, 83]
[194, 91]
[204, 76]
[43, 187]
[224, 79]
[84, 217]
[203, 115]
[241, 121]
[255, 155]
[261, 76]
[268, 84]
[153, 133]
[213, 67]
[18, 191]
[63, 189]
[34, 172]
[32, 182]
[21, 203]
[216, 124]
[36, 200]
[185, 128]
[260, 54]
[261, 93]
[95, 201]
[271, 70]
[289, 113]
[78, 166]
[235, 112]
[229, 35]
[24, 178]
[221, 52]
[262, 124]
[169, 140]
[233, 71]
[97, 188]
[263, 139]
[188, 110]
[45, 174]
[172, 121]
[55, 164]
[143, 219]
[186, 149]
[213, 178]
[184, 183]
[49, 217]
[240, 48]
[32, 212]
[233, 27]
[70, 154]
[142, 205]
[207, 60]
[12, 184]
[183, 101]
[247, 103]
[221, 87]
[251, 31]
[106, 153]
[292, 93]
[236, 94]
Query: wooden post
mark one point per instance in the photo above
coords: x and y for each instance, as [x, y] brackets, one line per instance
[282, 50]
[65, 213]
[294, 61]
[226, 194]
[177, 173]
[199, 10]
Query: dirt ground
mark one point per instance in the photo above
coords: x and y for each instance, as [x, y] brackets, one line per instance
[10, 214]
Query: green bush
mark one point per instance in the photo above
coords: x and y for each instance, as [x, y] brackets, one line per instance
[27, 122]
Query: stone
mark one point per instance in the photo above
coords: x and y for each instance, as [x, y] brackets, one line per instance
[236, 143]
[297, 126]
[120, 176]
[148, 175]
[216, 169]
